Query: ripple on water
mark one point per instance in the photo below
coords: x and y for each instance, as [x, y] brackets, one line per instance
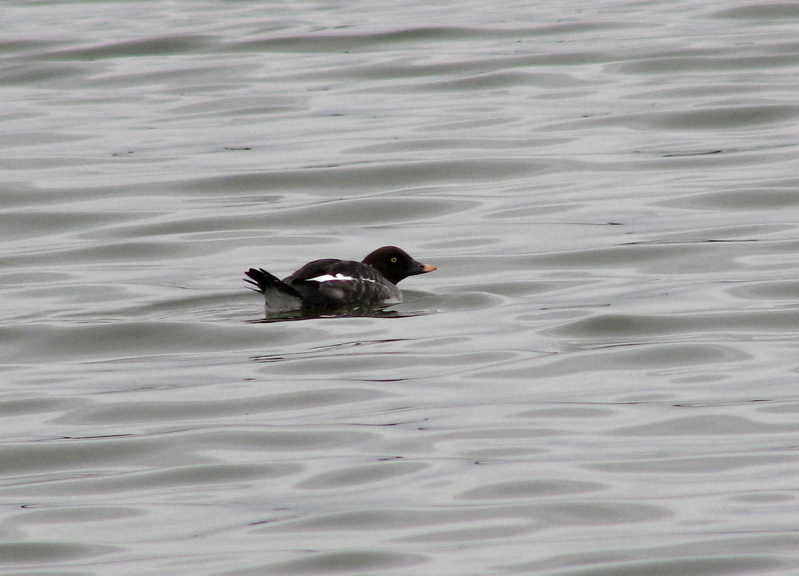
[351, 561]
[24, 553]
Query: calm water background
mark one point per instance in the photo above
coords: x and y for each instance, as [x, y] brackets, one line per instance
[601, 378]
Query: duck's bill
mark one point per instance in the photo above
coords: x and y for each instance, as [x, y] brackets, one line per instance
[425, 268]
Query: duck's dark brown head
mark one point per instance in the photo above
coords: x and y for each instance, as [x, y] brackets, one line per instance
[395, 264]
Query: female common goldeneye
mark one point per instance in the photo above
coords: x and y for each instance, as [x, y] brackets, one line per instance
[332, 283]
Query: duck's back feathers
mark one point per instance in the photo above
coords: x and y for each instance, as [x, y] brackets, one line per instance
[312, 270]
[341, 283]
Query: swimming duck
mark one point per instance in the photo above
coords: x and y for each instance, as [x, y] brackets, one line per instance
[331, 283]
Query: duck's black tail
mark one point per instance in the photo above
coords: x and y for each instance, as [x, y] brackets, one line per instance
[279, 295]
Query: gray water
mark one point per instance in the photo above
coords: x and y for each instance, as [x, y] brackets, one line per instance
[600, 379]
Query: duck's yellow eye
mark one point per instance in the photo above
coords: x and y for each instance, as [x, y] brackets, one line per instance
[393, 259]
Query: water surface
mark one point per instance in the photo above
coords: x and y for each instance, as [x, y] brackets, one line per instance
[599, 379]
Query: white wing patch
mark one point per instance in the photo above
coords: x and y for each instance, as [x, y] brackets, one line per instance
[337, 278]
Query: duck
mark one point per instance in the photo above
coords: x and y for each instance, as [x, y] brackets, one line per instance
[331, 283]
